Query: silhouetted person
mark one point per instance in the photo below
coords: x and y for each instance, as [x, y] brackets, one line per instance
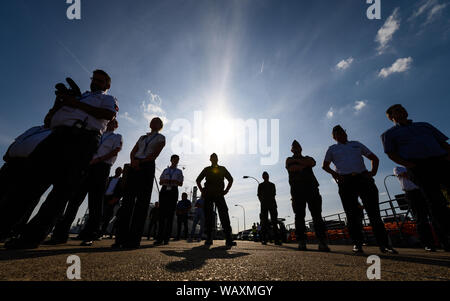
[136, 200]
[77, 126]
[113, 194]
[355, 181]
[214, 193]
[305, 190]
[183, 208]
[15, 212]
[266, 196]
[424, 151]
[153, 221]
[199, 218]
[171, 178]
[418, 205]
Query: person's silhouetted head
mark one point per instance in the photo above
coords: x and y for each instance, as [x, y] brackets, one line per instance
[174, 159]
[397, 114]
[265, 176]
[184, 196]
[119, 171]
[100, 81]
[296, 148]
[214, 159]
[339, 134]
[112, 125]
[156, 124]
[156, 204]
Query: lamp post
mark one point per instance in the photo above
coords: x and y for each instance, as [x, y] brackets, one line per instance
[249, 177]
[237, 221]
[244, 214]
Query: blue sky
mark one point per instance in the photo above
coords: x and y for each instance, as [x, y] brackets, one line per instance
[309, 64]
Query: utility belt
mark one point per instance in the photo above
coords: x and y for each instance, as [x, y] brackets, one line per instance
[169, 188]
[355, 175]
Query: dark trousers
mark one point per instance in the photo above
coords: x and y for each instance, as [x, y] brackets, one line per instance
[15, 211]
[167, 205]
[432, 175]
[265, 210]
[222, 209]
[153, 228]
[419, 208]
[135, 204]
[363, 186]
[182, 220]
[108, 213]
[94, 185]
[302, 195]
[62, 157]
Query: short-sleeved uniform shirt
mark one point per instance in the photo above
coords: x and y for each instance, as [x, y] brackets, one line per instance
[215, 176]
[109, 142]
[183, 206]
[348, 157]
[416, 140]
[112, 186]
[147, 144]
[266, 193]
[305, 177]
[25, 144]
[68, 116]
[172, 174]
[199, 205]
[407, 184]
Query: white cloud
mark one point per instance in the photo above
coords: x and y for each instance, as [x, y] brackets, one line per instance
[432, 7]
[386, 32]
[400, 65]
[436, 10]
[330, 113]
[127, 116]
[153, 108]
[344, 64]
[423, 8]
[359, 105]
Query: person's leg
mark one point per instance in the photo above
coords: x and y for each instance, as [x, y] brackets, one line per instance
[194, 225]
[418, 205]
[179, 222]
[315, 208]
[173, 197]
[209, 217]
[164, 200]
[299, 208]
[125, 213]
[369, 195]
[224, 217]
[349, 198]
[274, 220]
[185, 222]
[263, 216]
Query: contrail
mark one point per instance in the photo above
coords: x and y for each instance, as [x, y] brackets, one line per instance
[74, 57]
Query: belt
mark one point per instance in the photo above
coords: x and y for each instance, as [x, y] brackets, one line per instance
[355, 174]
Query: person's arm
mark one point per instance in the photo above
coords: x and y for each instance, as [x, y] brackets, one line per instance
[333, 173]
[259, 194]
[108, 156]
[399, 160]
[98, 113]
[375, 163]
[134, 161]
[230, 181]
[199, 180]
[152, 156]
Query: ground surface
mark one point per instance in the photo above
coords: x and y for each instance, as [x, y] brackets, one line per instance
[191, 261]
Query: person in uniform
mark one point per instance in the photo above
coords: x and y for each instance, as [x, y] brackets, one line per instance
[354, 181]
[77, 126]
[305, 190]
[136, 200]
[199, 218]
[214, 194]
[153, 222]
[182, 211]
[171, 178]
[418, 205]
[112, 196]
[94, 185]
[425, 153]
[266, 195]
[14, 213]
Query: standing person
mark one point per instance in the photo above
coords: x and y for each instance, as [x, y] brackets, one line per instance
[355, 181]
[112, 196]
[199, 218]
[170, 179]
[183, 208]
[425, 153]
[154, 221]
[94, 185]
[305, 190]
[14, 212]
[136, 200]
[77, 126]
[266, 196]
[214, 193]
[418, 205]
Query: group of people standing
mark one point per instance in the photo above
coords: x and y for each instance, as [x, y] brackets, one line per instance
[76, 147]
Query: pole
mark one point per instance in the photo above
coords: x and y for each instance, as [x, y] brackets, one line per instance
[245, 225]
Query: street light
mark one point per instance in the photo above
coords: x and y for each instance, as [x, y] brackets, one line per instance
[244, 214]
[237, 221]
[249, 177]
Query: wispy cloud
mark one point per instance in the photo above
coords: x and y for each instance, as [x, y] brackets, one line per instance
[359, 105]
[400, 65]
[330, 113]
[127, 117]
[262, 68]
[386, 32]
[344, 64]
[153, 108]
[430, 7]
